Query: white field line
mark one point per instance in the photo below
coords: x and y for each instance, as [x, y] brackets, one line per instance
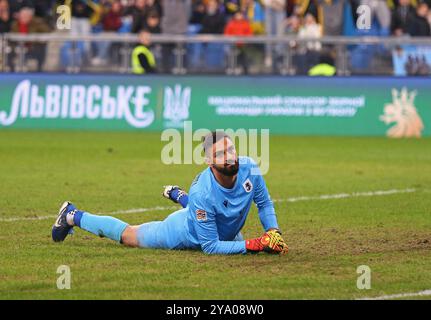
[347, 195]
[128, 211]
[293, 199]
[400, 295]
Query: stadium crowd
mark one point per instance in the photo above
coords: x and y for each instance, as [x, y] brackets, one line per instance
[304, 18]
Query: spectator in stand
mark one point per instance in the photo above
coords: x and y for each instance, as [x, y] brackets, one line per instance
[239, 26]
[175, 19]
[290, 26]
[198, 12]
[111, 22]
[232, 6]
[290, 7]
[255, 14]
[213, 20]
[5, 17]
[81, 13]
[327, 13]
[311, 29]
[152, 22]
[309, 6]
[362, 55]
[126, 17]
[99, 7]
[27, 23]
[350, 17]
[331, 17]
[154, 5]
[381, 17]
[17, 5]
[401, 16]
[43, 9]
[310, 52]
[194, 50]
[275, 13]
[175, 16]
[138, 13]
[152, 25]
[209, 54]
[419, 26]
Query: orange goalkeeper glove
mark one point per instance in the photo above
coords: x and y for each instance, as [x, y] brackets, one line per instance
[270, 242]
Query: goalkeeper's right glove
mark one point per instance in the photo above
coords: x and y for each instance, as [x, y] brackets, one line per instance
[270, 242]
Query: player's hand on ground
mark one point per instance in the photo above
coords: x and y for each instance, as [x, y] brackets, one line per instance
[271, 242]
[277, 243]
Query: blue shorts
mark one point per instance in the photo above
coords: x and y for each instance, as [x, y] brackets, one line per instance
[171, 233]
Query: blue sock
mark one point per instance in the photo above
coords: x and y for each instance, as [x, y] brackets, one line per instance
[77, 218]
[183, 200]
[102, 226]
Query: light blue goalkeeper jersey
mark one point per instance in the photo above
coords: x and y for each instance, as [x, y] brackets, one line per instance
[216, 214]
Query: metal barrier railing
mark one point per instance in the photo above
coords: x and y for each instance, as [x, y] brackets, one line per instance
[12, 44]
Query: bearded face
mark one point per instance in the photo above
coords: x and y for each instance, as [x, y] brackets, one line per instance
[227, 169]
[224, 157]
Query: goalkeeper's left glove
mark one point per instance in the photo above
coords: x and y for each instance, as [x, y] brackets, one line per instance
[270, 242]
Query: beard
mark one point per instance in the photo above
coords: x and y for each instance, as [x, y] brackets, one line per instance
[228, 169]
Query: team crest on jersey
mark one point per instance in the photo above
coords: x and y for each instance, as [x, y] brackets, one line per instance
[201, 215]
[248, 186]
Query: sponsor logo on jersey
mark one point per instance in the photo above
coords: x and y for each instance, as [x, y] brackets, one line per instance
[201, 215]
[248, 186]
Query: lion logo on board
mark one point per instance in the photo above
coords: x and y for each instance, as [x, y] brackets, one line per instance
[404, 114]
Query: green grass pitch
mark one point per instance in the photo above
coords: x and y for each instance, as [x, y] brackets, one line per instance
[328, 238]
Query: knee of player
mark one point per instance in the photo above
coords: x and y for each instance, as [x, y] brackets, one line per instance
[129, 236]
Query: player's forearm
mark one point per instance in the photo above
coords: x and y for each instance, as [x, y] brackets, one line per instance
[224, 247]
[268, 218]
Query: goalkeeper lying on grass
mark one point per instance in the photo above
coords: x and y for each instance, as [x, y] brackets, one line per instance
[212, 216]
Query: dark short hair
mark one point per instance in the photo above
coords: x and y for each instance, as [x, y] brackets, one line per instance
[211, 138]
[153, 14]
